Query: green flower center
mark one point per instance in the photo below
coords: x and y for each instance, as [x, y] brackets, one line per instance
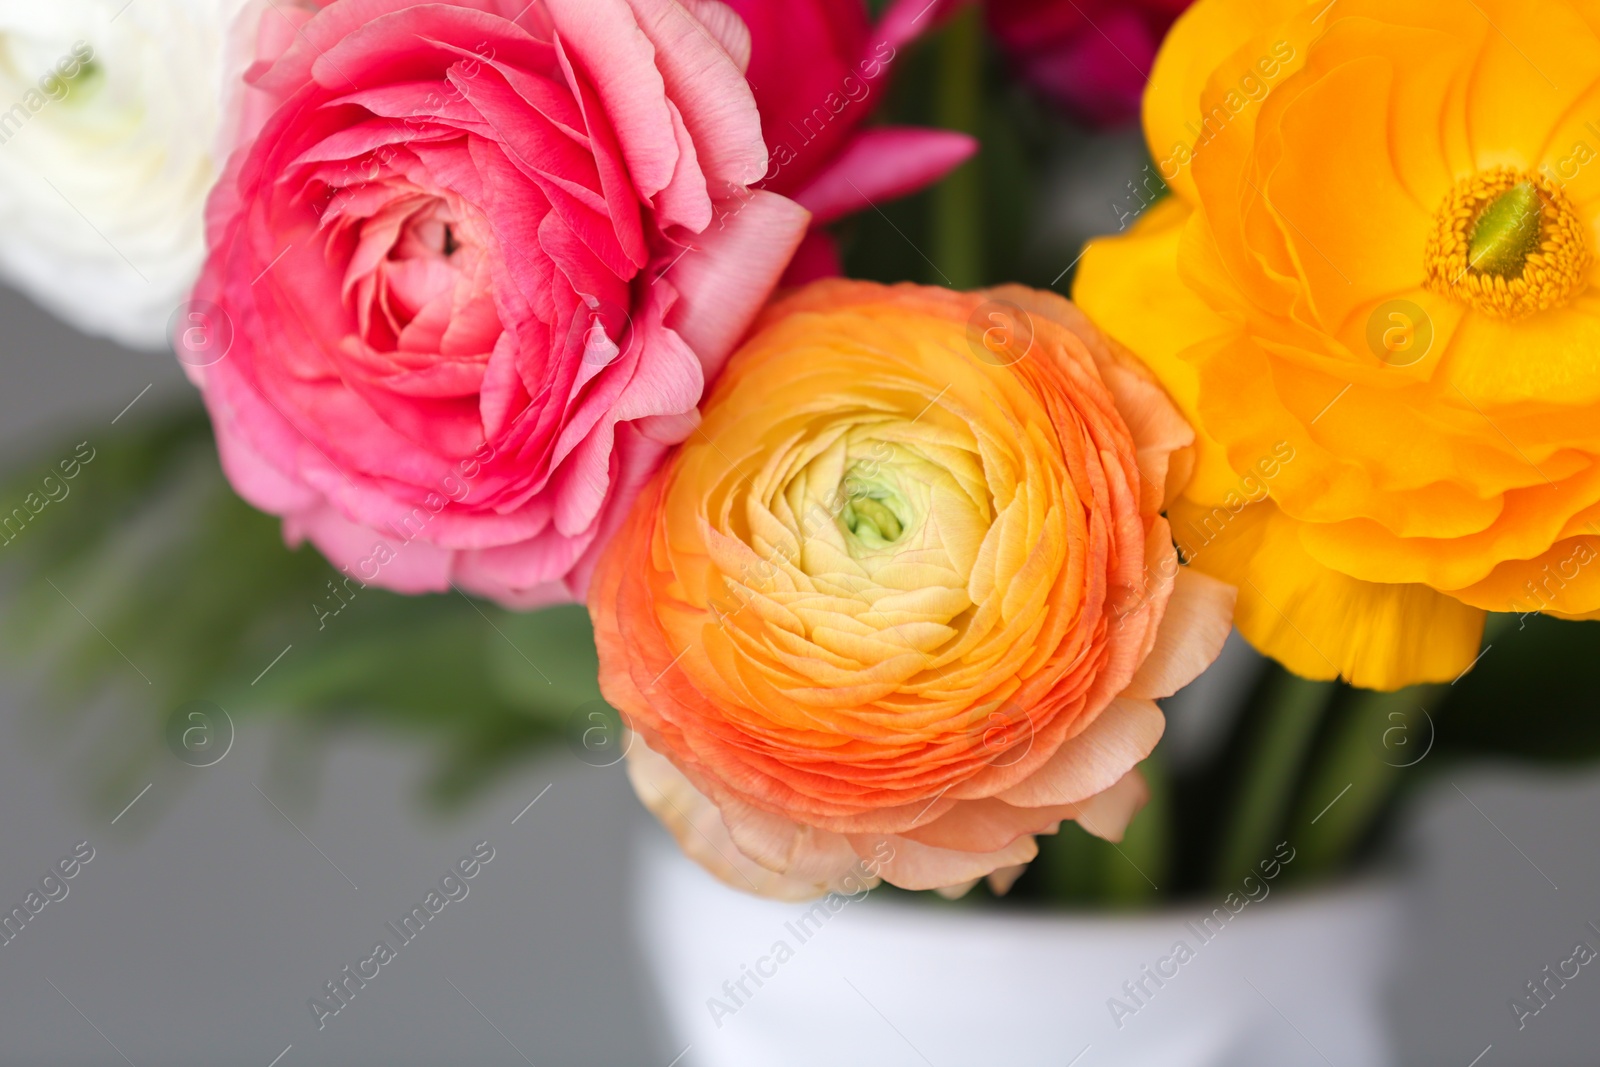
[1507, 232]
[1508, 243]
[869, 513]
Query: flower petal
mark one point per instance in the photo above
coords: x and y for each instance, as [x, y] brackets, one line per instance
[700, 831]
[1107, 814]
[913, 865]
[1198, 620]
[707, 84]
[723, 23]
[1320, 623]
[1123, 734]
[723, 282]
[983, 825]
[883, 163]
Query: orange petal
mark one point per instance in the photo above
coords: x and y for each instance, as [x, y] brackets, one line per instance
[1124, 734]
[801, 852]
[988, 824]
[1001, 881]
[1198, 620]
[956, 892]
[912, 865]
[700, 831]
[1108, 813]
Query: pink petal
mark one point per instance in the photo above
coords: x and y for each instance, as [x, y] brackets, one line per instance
[724, 23]
[709, 87]
[412, 567]
[353, 44]
[883, 163]
[564, 172]
[620, 61]
[686, 201]
[622, 203]
[512, 598]
[813, 79]
[523, 567]
[541, 566]
[501, 391]
[668, 379]
[668, 429]
[253, 476]
[581, 484]
[906, 20]
[723, 283]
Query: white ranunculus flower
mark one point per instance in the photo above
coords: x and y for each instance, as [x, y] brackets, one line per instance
[109, 143]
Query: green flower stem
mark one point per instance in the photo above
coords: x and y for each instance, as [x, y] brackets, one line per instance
[957, 251]
[1072, 866]
[1138, 867]
[1376, 738]
[1291, 713]
[1498, 625]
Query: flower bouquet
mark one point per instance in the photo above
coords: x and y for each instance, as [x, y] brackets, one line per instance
[695, 384]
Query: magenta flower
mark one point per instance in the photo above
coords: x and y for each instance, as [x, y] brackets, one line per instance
[1092, 57]
[818, 69]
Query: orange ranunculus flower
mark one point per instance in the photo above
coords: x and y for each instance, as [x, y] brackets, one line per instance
[1372, 294]
[907, 598]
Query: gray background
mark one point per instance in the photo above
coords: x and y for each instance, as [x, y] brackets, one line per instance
[207, 917]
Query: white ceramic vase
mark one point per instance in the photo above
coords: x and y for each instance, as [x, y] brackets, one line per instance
[1287, 981]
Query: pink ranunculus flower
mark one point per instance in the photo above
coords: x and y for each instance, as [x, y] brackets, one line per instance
[819, 68]
[1092, 57]
[477, 261]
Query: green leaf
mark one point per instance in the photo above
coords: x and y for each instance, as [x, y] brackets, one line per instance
[152, 582]
[1138, 875]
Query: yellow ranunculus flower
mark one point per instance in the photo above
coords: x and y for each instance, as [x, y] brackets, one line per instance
[1372, 293]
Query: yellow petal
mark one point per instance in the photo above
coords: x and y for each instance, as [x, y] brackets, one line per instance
[1218, 43]
[1563, 581]
[1546, 360]
[1129, 286]
[1318, 622]
[1351, 225]
[1537, 61]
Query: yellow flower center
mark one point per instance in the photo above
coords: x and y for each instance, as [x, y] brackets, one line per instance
[1509, 244]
